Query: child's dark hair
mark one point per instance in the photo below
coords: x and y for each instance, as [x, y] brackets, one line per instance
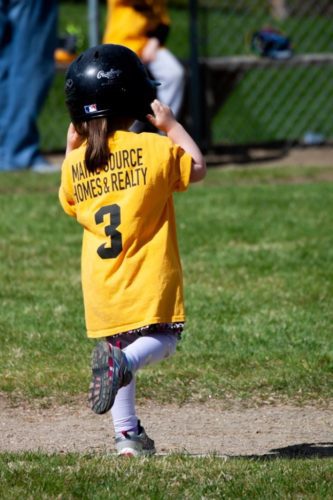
[96, 132]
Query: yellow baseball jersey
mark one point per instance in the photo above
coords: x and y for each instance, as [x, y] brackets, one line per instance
[131, 269]
[129, 22]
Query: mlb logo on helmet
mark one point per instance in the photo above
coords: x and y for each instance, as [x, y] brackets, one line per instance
[90, 108]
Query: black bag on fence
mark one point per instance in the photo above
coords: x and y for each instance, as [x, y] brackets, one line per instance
[271, 43]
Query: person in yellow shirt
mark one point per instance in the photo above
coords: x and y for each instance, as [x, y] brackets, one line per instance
[144, 26]
[119, 186]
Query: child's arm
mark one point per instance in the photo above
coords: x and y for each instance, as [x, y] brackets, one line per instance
[74, 140]
[164, 120]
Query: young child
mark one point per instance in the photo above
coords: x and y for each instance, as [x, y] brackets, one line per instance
[144, 26]
[119, 185]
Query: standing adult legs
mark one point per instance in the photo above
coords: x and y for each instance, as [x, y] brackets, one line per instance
[4, 70]
[31, 27]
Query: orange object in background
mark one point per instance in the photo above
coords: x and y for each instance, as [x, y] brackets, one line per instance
[63, 56]
[66, 50]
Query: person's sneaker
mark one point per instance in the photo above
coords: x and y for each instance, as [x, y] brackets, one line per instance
[45, 168]
[110, 372]
[134, 444]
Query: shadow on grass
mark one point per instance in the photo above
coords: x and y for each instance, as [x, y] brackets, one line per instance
[304, 450]
[296, 451]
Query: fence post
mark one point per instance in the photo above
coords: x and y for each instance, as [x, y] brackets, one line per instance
[195, 90]
[93, 22]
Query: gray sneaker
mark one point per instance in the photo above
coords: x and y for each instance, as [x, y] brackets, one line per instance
[134, 444]
[110, 372]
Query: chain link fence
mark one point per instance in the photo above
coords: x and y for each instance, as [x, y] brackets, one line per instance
[246, 98]
[276, 100]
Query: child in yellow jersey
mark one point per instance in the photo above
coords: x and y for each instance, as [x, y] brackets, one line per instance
[143, 26]
[119, 185]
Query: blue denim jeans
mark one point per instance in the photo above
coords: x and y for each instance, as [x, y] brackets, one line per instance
[28, 30]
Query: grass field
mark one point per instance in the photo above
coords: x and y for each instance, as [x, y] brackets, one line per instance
[257, 248]
[174, 477]
[257, 254]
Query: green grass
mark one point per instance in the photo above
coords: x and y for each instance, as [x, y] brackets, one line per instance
[257, 251]
[99, 477]
[256, 247]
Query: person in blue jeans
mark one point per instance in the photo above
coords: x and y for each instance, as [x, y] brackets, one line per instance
[28, 30]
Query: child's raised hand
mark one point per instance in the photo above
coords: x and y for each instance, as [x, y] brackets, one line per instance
[163, 118]
[74, 140]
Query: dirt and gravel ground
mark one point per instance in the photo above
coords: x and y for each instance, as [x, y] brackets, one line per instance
[255, 157]
[274, 430]
[196, 429]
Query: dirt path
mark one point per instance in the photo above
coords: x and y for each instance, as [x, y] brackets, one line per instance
[279, 430]
[261, 157]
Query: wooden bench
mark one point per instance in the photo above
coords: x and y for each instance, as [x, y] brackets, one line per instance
[218, 77]
[250, 61]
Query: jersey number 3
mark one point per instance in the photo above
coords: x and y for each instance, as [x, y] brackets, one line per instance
[110, 252]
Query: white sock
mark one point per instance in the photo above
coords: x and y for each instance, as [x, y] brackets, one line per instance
[150, 349]
[143, 351]
[123, 409]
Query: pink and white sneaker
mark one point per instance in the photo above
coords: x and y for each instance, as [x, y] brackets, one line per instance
[134, 444]
[110, 372]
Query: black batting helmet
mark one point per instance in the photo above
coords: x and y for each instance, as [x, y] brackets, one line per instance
[108, 80]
